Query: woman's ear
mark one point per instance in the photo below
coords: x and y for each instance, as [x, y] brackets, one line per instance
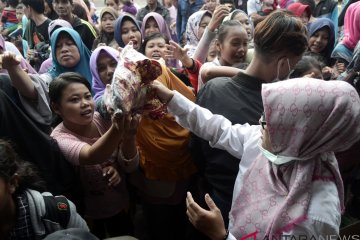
[14, 183]
[55, 108]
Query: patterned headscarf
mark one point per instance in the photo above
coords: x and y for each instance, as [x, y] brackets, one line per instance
[98, 86]
[164, 30]
[308, 120]
[192, 31]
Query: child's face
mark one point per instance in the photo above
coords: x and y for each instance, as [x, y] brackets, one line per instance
[106, 65]
[234, 47]
[212, 53]
[155, 48]
[319, 40]
[151, 27]
[244, 20]
[107, 23]
[19, 13]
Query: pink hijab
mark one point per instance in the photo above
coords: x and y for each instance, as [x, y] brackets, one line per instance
[163, 27]
[352, 26]
[308, 120]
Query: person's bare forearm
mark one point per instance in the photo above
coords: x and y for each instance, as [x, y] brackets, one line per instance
[218, 71]
[22, 82]
[102, 149]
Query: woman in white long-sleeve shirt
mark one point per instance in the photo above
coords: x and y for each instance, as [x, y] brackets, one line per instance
[288, 182]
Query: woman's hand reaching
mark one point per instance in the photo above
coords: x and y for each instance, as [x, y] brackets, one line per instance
[175, 51]
[209, 222]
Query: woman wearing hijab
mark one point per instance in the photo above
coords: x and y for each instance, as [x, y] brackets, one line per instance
[344, 50]
[106, 36]
[201, 34]
[127, 29]
[152, 23]
[288, 182]
[103, 62]
[195, 29]
[322, 39]
[80, 65]
[53, 25]
[69, 54]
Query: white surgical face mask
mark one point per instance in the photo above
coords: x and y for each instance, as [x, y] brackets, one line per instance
[278, 71]
[277, 159]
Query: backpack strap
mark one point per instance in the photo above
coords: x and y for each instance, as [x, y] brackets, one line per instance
[57, 210]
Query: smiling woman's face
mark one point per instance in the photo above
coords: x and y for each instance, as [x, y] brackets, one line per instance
[319, 40]
[155, 48]
[66, 51]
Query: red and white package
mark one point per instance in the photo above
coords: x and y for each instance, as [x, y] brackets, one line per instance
[129, 92]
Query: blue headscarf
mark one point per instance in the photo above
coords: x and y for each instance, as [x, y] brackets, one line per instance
[319, 24]
[83, 67]
[117, 31]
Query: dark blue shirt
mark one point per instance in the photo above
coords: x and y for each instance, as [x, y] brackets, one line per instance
[184, 11]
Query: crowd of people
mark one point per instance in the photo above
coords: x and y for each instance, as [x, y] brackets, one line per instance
[260, 140]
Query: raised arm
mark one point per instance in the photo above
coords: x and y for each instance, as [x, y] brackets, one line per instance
[19, 78]
[202, 49]
[210, 72]
[216, 129]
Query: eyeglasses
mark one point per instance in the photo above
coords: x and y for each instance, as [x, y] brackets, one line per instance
[262, 121]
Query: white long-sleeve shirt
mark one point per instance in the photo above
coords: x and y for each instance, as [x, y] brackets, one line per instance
[242, 142]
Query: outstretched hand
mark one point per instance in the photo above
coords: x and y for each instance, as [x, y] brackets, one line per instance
[175, 51]
[209, 222]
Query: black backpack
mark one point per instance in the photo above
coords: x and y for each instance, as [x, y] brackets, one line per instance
[57, 210]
